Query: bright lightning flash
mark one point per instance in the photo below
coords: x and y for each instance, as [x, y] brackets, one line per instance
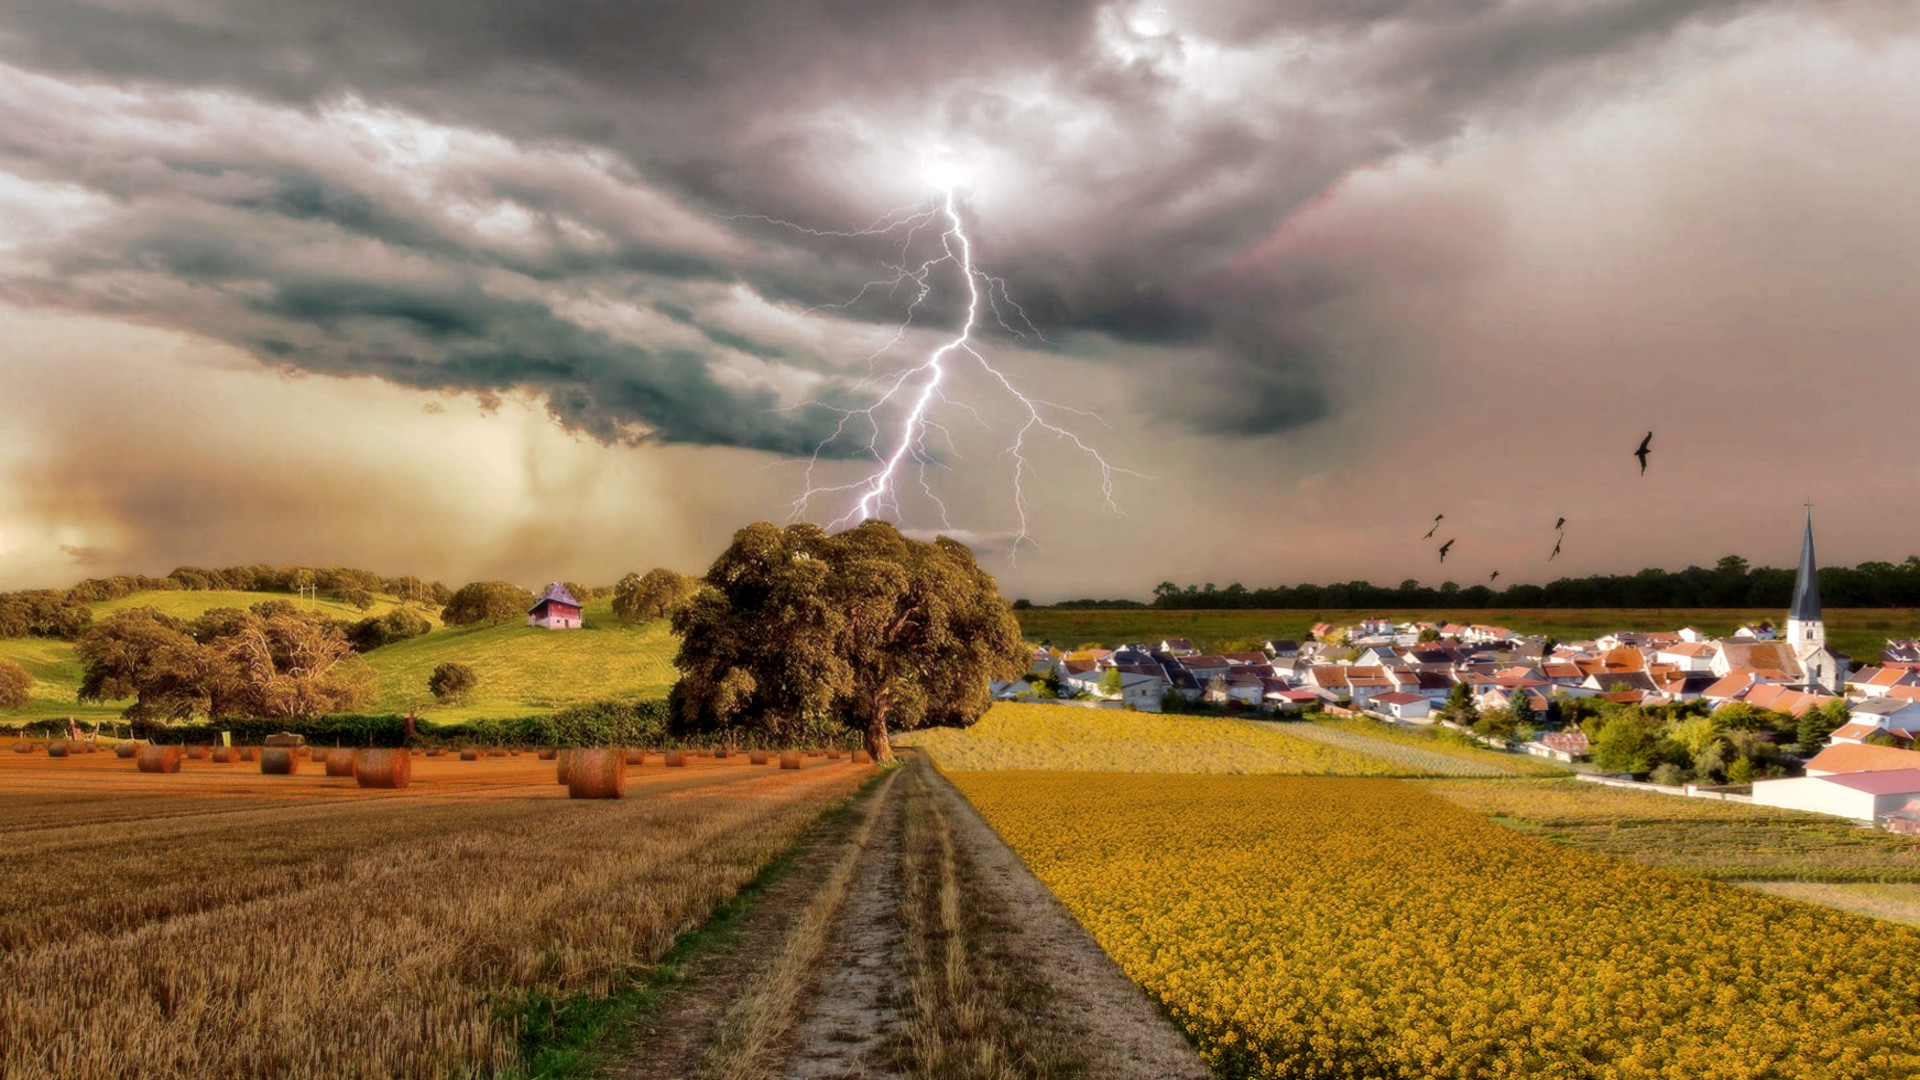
[900, 446]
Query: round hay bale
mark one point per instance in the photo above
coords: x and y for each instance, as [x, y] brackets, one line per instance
[563, 765]
[635, 757]
[597, 774]
[225, 755]
[833, 755]
[469, 755]
[249, 753]
[159, 759]
[279, 761]
[23, 748]
[676, 759]
[59, 749]
[341, 762]
[756, 757]
[414, 752]
[384, 769]
[435, 752]
[198, 753]
[789, 759]
[126, 749]
[722, 752]
[861, 757]
[496, 752]
[306, 751]
[548, 754]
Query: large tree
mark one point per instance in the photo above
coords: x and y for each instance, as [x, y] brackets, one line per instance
[490, 602]
[16, 685]
[796, 629]
[271, 660]
[656, 595]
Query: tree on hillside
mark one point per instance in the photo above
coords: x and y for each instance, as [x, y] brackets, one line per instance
[867, 628]
[577, 591]
[272, 660]
[16, 685]
[452, 682]
[489, 602]
[657, 595]
[381, 630]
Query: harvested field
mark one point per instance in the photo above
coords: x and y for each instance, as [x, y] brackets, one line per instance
[161, 925]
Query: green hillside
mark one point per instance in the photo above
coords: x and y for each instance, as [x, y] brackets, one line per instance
[524, 670]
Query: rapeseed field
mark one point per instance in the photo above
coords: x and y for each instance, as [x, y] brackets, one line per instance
[1319, 927]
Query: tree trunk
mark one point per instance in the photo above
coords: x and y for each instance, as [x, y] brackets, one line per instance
[877, 742]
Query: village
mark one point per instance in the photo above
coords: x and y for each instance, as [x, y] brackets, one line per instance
[1859, 765]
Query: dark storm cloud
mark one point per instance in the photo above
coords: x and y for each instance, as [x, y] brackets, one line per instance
[1129, 158]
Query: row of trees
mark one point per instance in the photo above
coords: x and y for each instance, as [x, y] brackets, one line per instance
[64, 613]
[1730, 583]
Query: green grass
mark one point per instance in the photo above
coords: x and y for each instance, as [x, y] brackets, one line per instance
[1858, 632]
[525, 671]
[1704, 837]
[56, 680]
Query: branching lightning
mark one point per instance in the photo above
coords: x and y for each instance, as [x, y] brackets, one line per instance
[900, 446]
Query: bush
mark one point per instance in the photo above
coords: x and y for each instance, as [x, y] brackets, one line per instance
[16, 686]
[452, 682]
[381, 630]
[1669, 775]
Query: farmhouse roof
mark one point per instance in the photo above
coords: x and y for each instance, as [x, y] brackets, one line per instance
[1858, 758]
[1398, 698]
[556, 594]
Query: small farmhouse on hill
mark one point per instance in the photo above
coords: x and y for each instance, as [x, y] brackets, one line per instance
[555, 610]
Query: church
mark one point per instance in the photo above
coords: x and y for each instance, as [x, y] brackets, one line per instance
[1826, 670]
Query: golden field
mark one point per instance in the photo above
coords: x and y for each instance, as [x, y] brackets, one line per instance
[1354, 928]
[1020, 735]
[217, 923]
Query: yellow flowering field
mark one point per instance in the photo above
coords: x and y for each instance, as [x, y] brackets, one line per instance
[1019, 735]
[1430, 741]
[1321, 927]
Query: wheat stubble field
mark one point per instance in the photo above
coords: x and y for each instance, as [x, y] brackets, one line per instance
[220, 923]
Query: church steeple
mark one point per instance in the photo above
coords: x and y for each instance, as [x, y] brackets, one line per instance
[1806, 631]
[1806, 588]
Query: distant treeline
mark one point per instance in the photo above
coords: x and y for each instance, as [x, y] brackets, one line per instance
[63, 613]
[1730, 583]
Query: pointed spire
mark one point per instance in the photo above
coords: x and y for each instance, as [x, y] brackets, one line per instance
[1806, 589]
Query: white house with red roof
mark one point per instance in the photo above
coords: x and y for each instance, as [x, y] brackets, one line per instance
[1862, 796]
[555, 610]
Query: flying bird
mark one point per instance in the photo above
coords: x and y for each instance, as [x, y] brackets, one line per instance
[1443, 549]
[1556, 551]
[1561, 524]
[1493, 577]
[1436, 525]
[1642, 452]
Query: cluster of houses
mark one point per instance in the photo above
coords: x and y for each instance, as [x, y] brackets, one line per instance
[1406, 671]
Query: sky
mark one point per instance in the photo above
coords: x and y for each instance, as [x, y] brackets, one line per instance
[549, 291]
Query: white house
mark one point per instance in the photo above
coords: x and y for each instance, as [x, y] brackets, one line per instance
[1861, 796]
[1403, 706]
[1141, 692]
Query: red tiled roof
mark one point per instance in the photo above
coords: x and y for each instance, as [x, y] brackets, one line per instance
[1567, 742]
[1397, 698]
[1886, 782]
[1858, 757]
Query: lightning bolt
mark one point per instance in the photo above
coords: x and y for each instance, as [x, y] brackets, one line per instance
[900, 447]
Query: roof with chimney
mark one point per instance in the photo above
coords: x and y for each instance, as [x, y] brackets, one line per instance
[1806, 588]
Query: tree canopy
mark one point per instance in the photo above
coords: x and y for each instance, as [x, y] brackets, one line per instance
[16, 685]
[796, 631]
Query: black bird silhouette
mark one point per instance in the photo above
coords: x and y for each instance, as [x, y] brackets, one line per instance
[1493, 577]
[1443, 549]
[1642, 452]
[1561, 524]
[1556, 551]
[1436, 525]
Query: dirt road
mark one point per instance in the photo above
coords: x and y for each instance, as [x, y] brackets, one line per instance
[905, 940]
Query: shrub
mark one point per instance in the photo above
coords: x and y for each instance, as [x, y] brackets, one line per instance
[490, 602]
[1670, 775]
[452, 682]
[16, 685]
[380, 630]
